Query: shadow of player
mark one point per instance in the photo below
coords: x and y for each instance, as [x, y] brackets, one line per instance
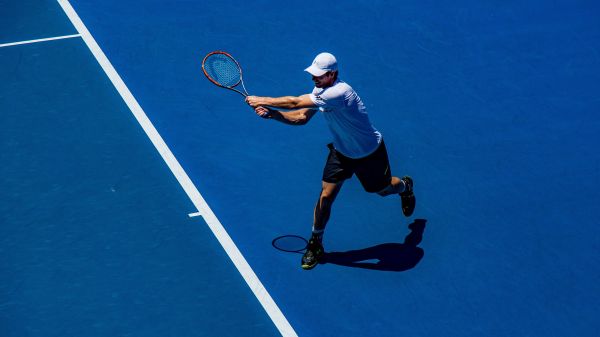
[386, 256]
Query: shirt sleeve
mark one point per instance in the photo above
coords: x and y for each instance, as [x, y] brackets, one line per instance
[316, 100]
[328, 98]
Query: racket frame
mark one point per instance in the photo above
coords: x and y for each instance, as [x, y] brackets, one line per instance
[245, 93]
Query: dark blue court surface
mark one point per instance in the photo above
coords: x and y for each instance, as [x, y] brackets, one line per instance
[491, 108]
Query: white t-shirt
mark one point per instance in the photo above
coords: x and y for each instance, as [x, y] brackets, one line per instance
[353, 134]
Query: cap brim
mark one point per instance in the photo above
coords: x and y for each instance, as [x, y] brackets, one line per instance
[315, 71]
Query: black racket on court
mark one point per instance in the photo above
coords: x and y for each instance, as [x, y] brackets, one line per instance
[224, 71]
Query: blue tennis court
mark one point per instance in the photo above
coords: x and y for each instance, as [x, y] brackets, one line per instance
[138, 199]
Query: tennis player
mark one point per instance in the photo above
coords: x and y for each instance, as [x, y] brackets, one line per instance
[357, 146]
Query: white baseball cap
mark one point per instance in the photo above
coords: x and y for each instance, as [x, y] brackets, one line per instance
[323, 63]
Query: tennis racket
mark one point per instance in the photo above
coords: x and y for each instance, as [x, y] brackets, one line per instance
[224, 71]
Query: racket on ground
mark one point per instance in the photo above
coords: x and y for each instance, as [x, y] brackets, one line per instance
[223, 70]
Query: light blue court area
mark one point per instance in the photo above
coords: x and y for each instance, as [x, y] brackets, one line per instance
[95, 238]
[491, 108]
[32, 19]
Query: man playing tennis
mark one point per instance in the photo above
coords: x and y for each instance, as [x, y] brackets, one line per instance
[357, 147]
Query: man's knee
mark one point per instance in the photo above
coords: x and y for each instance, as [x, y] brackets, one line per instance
[329, 191]
[327, 195]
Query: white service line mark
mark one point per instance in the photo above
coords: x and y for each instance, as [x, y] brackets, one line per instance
[39, 40]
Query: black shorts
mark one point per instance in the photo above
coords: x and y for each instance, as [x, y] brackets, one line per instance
[373, 171]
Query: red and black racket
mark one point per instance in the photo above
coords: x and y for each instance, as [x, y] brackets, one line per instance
[224, 71]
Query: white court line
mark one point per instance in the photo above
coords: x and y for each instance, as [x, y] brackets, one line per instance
[39, 40]
[210, 218]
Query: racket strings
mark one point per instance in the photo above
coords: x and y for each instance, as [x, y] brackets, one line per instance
[223, 70]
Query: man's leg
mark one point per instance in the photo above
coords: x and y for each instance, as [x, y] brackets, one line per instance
[403, 187]
[314, 250]
[396, 186]
[374, 174]
[329, 192]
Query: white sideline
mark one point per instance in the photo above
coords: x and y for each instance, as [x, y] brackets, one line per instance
[214, 224]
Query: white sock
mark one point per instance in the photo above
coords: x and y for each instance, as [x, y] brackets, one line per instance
[318, 234]
[402, 186]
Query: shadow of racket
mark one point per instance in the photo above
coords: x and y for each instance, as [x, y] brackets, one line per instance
[290, 243]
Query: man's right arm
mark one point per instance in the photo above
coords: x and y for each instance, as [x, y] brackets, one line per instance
[285, 102]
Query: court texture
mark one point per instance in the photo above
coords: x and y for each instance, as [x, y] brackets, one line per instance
[139, 199]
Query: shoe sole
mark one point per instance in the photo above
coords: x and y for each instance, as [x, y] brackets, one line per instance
[408, 201]
[408, 211]
[309, 267]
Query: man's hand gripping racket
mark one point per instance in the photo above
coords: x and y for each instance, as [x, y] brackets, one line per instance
[224, 71]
